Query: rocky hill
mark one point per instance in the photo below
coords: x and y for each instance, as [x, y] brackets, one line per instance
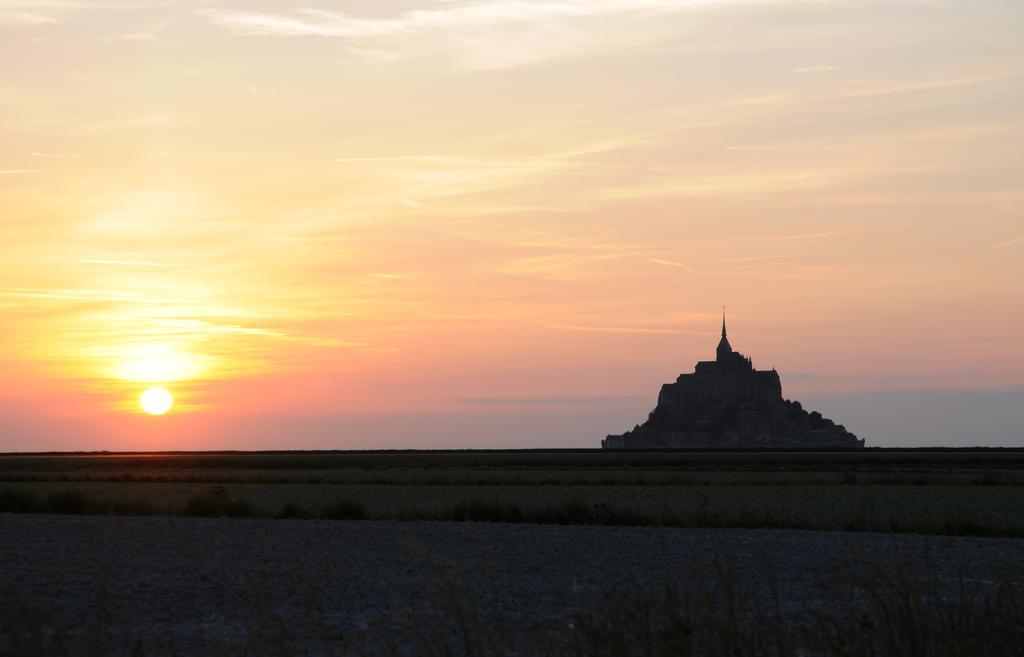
[728, 403]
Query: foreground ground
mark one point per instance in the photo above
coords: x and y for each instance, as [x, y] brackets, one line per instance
[82, 585]
[580, 553]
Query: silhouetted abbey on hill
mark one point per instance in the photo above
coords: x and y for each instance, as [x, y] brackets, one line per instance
[727, 403]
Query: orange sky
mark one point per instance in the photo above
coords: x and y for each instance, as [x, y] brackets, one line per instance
[506, 223]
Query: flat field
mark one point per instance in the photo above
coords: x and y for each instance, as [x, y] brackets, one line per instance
[955, 492]
[79, 585]
[560, 553]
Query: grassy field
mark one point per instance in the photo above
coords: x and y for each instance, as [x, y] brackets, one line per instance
[916, 603]
[957, 492]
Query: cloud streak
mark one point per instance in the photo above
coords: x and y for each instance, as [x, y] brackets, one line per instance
[583, 400]
[29, 13]
[484, 34]
[315, 22]
[35, 12]
[1010, 242]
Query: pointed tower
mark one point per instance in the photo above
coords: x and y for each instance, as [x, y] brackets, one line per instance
[724, 348]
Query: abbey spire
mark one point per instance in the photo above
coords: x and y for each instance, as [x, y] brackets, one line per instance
[724, 348]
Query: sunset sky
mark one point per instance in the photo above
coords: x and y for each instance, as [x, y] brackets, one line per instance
[505, 223]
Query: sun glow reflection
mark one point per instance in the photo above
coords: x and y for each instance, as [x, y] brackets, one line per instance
[157, 363]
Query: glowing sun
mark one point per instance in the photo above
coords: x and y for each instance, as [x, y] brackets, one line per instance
[156, 401]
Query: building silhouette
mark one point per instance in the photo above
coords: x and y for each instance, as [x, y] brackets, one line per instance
[727, 403]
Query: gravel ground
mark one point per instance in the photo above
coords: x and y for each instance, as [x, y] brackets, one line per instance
[195, 582]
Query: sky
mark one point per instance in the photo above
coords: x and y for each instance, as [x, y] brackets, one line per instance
[505, 223]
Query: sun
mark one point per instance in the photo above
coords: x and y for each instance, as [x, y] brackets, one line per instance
[156, 401]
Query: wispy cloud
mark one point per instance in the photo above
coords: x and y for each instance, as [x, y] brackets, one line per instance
[565, 266]
[882, 88]
[736, 184]
[130, 335]
[802, 70]
[36, 12]
[425, 176]
[672, 263]
[595, 400]
[24, 18]
[44, 12]
[40, 12]
[54, 156]
[627, 329]
[1010, 242]
[458, 16]
[127, 263]
[484, 34]
[86, 295]
[434, 175]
